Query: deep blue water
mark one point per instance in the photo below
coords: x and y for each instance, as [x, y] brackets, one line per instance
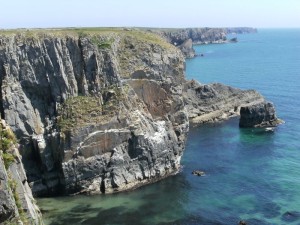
[250, 174]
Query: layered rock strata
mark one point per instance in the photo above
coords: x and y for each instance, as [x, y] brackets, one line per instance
[95, 111]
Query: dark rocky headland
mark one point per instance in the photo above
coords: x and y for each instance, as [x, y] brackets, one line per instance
[95, 111]
[185, 38]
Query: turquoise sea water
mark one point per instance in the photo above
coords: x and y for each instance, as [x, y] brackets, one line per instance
[251, 174]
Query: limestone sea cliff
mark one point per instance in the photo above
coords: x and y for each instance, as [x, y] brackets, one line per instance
[100, 110]
[95, 112]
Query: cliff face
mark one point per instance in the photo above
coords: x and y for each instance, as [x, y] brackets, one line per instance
[94, 112]
[17, 205]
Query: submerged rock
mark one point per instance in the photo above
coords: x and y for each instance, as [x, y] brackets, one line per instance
[198, 173]
[291, 216]
[260, 114]
[234, 40]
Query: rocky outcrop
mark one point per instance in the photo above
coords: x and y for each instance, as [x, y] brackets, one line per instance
[186, 37]
[290, 216]
[187, 49]
[95, 111]
[17, 205]
[215, 102]
[197, 35]
[259, 115]
[198, 173]
[233, 40]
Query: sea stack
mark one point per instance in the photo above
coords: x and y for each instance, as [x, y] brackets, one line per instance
[261, 114]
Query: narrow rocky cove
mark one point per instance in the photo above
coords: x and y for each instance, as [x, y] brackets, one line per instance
[101, 111]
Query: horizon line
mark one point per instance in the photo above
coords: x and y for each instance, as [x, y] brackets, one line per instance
[149, 27]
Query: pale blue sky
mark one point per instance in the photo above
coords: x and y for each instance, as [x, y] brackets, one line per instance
[151, 13]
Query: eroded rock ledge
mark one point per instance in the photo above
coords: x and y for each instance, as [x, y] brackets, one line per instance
[216, 102]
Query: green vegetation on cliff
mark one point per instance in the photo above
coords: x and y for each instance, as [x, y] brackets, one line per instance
[22, 216]
[91, 32]
[7, 142]
[7, 139]
[82, 110]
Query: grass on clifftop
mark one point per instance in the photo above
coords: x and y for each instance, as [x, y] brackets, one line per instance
[139, 34]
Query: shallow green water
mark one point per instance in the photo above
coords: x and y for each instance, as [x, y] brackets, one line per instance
[251, 174]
